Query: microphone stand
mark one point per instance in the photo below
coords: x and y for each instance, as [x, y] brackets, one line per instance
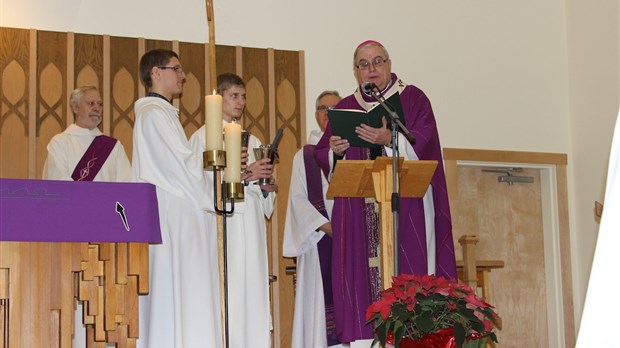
[395, 199]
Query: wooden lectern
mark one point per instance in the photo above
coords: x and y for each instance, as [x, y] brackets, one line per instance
[359, 178]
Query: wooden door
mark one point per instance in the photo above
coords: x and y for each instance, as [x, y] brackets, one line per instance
[508, 222]
[526, 226]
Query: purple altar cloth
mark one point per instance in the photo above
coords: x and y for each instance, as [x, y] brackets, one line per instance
[78, 211]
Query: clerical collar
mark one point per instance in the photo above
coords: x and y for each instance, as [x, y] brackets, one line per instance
[157, 95]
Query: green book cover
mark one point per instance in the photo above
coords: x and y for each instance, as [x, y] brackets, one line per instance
[344, 121]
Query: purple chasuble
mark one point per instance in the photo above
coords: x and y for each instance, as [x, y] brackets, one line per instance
[315, 196]
[95, 156]
[350, 257]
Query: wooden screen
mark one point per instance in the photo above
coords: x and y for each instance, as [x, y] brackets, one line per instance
[38, 70]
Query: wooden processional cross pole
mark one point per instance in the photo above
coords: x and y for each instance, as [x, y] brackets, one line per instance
[220, 217]
[210, 20]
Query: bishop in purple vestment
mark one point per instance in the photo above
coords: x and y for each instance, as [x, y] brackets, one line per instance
[425, 230]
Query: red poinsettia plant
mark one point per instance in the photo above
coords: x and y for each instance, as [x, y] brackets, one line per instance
[416, 306]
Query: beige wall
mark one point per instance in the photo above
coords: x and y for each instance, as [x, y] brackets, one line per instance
[505, 75]
[593, 39]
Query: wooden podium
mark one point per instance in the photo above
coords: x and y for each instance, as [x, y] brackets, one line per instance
[359, 178]
[62, 240]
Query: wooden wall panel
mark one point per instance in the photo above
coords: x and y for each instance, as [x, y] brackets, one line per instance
[124, 87]
[14, 106]
[192, 106]
[256, 77]
[152, 44]
[225, 59]
[51, 98]
[289, 115]
[288, 95]
[88, 62]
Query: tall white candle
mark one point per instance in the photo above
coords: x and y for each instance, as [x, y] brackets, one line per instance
[232, 143]
[213, 122]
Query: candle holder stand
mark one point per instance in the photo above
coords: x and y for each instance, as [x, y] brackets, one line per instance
[215, 161]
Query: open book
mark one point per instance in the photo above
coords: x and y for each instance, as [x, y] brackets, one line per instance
[344, 121]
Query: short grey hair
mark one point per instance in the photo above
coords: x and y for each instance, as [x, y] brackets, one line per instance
[324, 93]
[77, 93]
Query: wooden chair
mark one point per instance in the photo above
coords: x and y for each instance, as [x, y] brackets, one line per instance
[475, 273]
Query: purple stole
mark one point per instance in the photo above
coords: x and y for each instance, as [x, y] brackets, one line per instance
[95, 156]
[315, 196]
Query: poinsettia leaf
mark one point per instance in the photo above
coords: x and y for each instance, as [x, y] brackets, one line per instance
[467, 313]
[424, 323]
[459, 334]
[381, 332]
[488, 312]
[479, 343]
[477, 326]
[436, 297]
[399, 312]
[373, 318]
[399, 332]
[398, 325]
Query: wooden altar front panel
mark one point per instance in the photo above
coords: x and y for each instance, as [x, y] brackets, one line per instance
[41, 280]
[39, 69]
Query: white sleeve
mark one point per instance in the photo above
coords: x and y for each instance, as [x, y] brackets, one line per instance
[56, 165]
[404, 148]
[123, 167]
[302, 218]
[166, 159]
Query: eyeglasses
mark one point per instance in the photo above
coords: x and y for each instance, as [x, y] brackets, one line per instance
[177, 69]
[376, 62]
[324, 108]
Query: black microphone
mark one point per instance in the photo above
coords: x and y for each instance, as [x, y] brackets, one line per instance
[368, 87]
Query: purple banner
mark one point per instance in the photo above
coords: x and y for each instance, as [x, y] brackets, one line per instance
[70, 211]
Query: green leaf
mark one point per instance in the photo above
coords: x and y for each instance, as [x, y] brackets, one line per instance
[478, 326]
[381, 332]
[399, 332]
[459, 334]
[467, 313]
[479, 343]
[425, 323]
